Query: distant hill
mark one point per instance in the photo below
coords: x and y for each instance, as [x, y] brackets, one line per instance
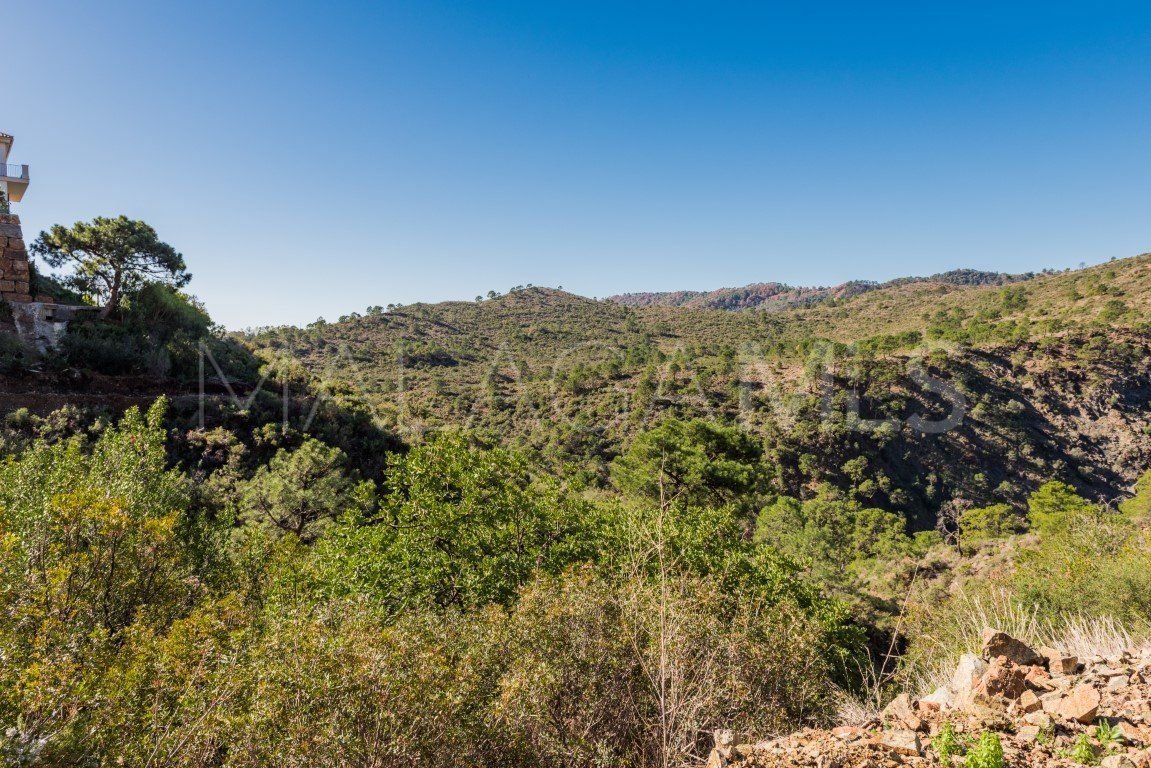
[1052, 367]
[779, 296]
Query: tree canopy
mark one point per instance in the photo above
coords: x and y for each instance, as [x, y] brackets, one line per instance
[109, 256]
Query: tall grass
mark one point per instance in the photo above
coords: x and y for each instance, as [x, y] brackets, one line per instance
[943, 633]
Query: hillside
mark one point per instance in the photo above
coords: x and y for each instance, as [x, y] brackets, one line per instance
[1051, 368]
[467, 514]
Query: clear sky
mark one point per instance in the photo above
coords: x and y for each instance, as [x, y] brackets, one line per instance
[311, 159]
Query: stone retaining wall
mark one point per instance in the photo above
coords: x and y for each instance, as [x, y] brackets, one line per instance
[15, 276]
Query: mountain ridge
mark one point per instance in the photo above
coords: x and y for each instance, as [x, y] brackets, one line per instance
[776, 296]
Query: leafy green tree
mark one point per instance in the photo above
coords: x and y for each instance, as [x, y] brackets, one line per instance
[109, 257]
[460, 525]
[987, 523]
[1052, 504]
[696, 462]
[830, 531]
[303, 491]
[95, 544]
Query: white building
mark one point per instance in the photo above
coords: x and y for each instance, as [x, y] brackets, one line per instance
[13, 178]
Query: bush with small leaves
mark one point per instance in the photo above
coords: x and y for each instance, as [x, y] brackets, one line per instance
[1083, 751]
[947, 744]
[988, 753]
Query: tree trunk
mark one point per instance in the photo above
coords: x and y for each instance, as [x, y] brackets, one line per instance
[113, 295]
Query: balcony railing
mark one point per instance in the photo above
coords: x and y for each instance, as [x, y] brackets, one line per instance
[9, 171]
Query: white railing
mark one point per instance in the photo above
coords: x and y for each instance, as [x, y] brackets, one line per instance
[9, 171]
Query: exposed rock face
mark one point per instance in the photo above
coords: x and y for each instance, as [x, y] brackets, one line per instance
[1038, 709]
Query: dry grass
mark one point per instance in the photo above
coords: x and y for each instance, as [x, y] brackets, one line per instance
[1087, 637]
[937, 650]
[875, 692]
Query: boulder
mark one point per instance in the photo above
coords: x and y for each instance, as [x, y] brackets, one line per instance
[996, 643]
[724, 739]
[1029, 702]
[849, 733]
[1039, 719]
[1039, 680]
[1117, 761]
[941, 699]
[1002, 680]
[724, 751]
[901, 712]
[716, 760]
[967, 674]
[1080, 705]
[1028, 733]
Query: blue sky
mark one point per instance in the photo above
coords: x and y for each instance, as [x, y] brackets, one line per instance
[311, 159]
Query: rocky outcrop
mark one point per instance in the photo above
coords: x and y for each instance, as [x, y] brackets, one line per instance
[1039, 702]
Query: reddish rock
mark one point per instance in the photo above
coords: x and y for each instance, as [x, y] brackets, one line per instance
[849, 733]
[901, 742]
[902, 712]
[1058, 663]
[1080, 705]
[996, 643]
[1002, 680]
[1038, 680]
[1029, 702]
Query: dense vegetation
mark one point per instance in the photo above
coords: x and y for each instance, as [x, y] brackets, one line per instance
[539, 530]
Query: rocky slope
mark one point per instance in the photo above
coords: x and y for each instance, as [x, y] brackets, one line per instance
[1040, 707]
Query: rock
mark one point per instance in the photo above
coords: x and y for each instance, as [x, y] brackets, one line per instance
[997, 643]
[1117, 761]
[941, 699]
[724, 740]
[1057, 663]
[1029, 702]
[1133, 733]
[849, 733]
[1002, 680]
[1040, 719]
[901, 712]
[967, 674]
[1080, 705]
[1038, 679]
[1028, 733]
[901, 742]
[715, 760]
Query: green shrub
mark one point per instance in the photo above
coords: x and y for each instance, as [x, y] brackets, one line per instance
[987, 523]
[1083, 751]
[1094, 563]
[104, 348]
[987, 753]
[13, 354]
[946, 744]
[1052, 505]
